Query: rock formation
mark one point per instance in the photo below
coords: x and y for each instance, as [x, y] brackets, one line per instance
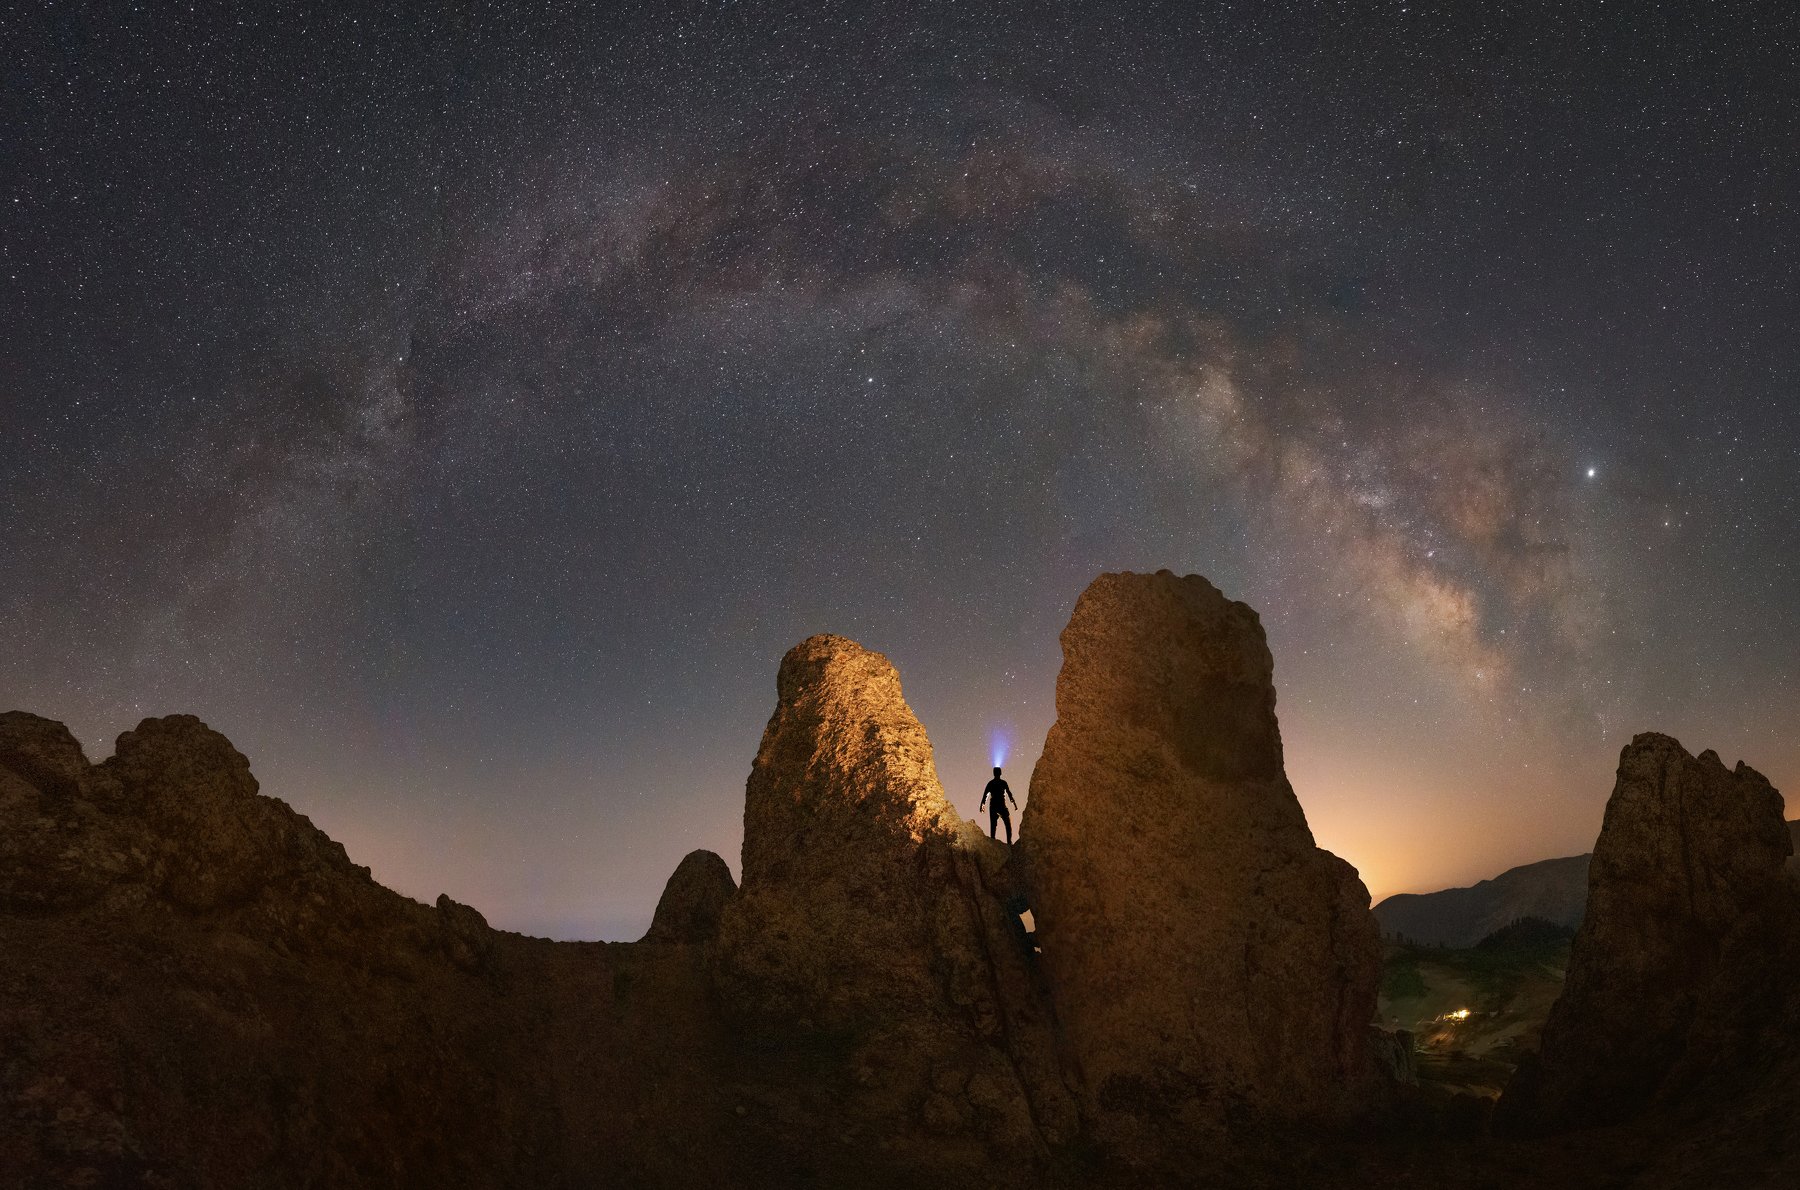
[198, 988]
[1687, 921]
[692, 900]
[201, 988]
[1206, 959]
[872, 919]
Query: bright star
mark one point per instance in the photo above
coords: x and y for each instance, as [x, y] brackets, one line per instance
[1592, 471]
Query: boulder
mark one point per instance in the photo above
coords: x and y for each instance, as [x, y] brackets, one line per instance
[1206, 959]
[692, 900]
[1682, 925]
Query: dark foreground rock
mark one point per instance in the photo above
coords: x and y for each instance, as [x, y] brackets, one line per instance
[199, 989]
[1682, 998]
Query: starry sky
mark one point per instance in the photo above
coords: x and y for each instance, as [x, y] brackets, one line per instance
[463, 407]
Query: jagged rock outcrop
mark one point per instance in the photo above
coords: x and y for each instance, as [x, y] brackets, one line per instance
[692, 900]
[872, 921]
[200, 989]
[1206, 959]
[1688, 918]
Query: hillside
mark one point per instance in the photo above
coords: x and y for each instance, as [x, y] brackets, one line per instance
[1474, 1012]
[1552, 889]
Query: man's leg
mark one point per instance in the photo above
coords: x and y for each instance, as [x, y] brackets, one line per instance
[994, 823]
[1007, 819]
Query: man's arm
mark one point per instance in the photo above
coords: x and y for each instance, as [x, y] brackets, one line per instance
[982, 804]
[1011, 798]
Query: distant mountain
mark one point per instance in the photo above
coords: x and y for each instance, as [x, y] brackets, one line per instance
[1553, 889]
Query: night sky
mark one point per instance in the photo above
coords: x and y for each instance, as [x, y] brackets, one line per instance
[464, 408]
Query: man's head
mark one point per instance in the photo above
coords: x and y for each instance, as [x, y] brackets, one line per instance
[996, 770]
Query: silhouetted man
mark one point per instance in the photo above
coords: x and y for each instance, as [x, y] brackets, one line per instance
[1001, 793]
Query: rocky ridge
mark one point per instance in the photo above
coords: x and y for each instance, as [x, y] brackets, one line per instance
[201, 989]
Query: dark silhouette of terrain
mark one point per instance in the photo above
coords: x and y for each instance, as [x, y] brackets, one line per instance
[1553, 890]
[201, 989]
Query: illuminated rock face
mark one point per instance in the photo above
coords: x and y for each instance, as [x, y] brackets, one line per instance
[1203, 954]
[1682, 948]
[873, 922]
[842, 798]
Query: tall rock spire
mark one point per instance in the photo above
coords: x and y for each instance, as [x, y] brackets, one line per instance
[1204, 956]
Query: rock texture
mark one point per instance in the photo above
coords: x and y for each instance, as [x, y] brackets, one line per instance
[693, 900]
[873, 922]
[200, 989]
[1688, 917]
[1207, 960]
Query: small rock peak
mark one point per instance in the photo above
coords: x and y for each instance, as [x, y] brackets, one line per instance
[464, 934]
[693, 900]
[166, 754]
[218, 841]
[43, 752]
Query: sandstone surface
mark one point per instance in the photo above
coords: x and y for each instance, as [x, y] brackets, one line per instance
[1689, 921]
[874, 921]
[1207, 960]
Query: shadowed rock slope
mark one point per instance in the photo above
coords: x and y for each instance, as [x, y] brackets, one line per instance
[1682, 999]
[1207, 960]
[199, 989]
